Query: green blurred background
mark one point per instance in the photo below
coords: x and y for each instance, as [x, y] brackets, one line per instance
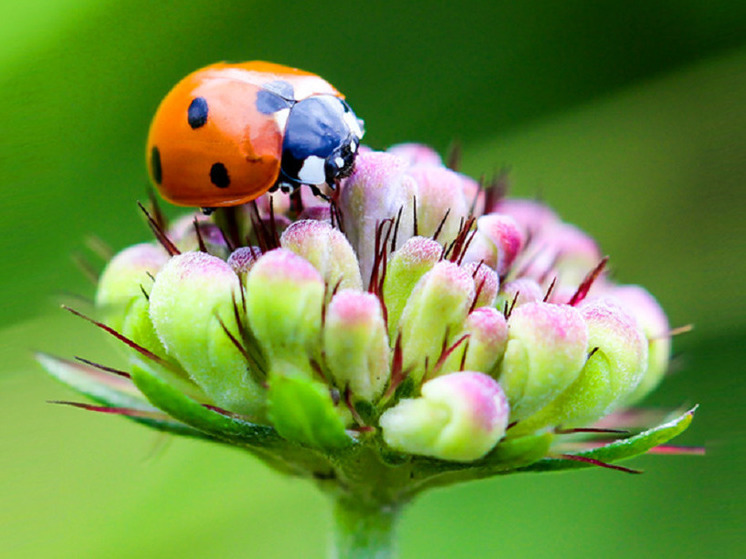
[628, 117]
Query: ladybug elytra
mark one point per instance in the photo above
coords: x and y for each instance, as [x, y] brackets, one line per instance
[228, 133]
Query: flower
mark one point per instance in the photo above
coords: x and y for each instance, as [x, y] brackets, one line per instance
[419, 330]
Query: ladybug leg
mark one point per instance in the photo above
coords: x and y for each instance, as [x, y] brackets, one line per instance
[316, 192]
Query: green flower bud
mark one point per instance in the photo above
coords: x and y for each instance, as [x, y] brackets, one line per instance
[610, 373]
[121, 294]
[434, 313]
[284, 299]
[486, 282]
[460, 417]
[327, 249]
[407, 265]
[192, 295]
[356, 345]
[547, 348]
[654, 324]
[487, 332]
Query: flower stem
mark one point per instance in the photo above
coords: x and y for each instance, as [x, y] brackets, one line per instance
[364, 530]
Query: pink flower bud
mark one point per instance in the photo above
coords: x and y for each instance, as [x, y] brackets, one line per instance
[356, 345]
[406, 267]
[487, 332]
[460, 417]
[416, 154]
[327, 249]
[547, 348]
[284, 298]
[376, 191]
[440, 201]
[486, 281]
[654, 324]
[434, 313]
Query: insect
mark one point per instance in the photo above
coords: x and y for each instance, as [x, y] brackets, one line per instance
[228, 133]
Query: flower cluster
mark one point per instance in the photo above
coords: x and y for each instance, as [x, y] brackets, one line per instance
[419, 322]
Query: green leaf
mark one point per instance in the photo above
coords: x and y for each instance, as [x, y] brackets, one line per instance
[118, 395]
[183, 408]
[618, 450]
[302, 411]
[99, 386]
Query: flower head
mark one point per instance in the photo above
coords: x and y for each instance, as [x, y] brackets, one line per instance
[417, 325]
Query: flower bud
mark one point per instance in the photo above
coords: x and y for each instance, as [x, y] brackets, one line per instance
[482, 350]
[547, 348]
[440, 202]
[522, 291]
[497, 243]
[284, 298]
[460, 417]
[486, 281]
[654, 324]
[434, 313]
[121, 293]
[609, 375]
[327, 249]
[356, 345]
[183, 233]
[192, 295]
[377, 190]
[564, 251]
[416, 154]
[242, 259]
[407, 265]
[531, 216]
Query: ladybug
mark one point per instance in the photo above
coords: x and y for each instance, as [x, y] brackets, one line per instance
[228, 133]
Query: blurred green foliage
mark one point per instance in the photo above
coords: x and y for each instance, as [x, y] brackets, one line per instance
[628, 117]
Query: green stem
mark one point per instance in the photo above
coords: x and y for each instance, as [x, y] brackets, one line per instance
[364, 530]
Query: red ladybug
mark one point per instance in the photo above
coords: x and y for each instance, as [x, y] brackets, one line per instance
[228, 133]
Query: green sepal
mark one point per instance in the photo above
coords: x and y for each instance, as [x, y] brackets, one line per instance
[302, 411]
[509, 456]
[202, 418]
[621, 449]
[113, 392]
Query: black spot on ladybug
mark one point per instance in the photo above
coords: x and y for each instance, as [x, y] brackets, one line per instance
[282, 88]
[269, 102]
[155, 165]
[219, 175]
[197, 113]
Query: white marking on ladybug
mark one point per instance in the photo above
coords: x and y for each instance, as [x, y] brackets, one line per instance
[354, 124]
[281, 118]
[312, 171]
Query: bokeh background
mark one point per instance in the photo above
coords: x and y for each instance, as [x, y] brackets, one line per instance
[628, 117]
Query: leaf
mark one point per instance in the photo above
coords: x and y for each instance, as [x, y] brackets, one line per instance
[97, 385]
[618, 450]
[117, 394]
[183, 408]
[302, 411]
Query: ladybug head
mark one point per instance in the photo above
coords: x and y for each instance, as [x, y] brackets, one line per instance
[321, 140]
